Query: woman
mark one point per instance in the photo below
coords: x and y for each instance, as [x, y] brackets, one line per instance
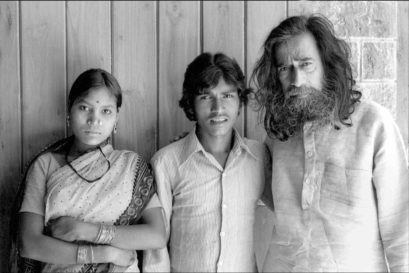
[82, 198]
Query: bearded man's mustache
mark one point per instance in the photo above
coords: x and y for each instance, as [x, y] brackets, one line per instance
[301, 91]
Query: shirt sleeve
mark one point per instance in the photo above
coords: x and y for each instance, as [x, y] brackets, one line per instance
[390, 178]
[35, 188]
[158, 260]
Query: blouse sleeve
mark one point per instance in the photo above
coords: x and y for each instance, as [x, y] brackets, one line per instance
[33, 200]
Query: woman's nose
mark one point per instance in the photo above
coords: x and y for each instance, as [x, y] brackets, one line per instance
[94, 120]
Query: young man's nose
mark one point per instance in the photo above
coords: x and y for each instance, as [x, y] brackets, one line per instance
[217, 105]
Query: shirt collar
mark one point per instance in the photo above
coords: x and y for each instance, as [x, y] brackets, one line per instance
[192, 145]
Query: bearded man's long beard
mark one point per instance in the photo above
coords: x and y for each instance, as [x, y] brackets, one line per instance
[287, 113]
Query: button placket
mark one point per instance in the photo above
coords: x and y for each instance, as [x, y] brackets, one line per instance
[309, 163]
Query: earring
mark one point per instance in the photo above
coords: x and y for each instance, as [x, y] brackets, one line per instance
[115, 128]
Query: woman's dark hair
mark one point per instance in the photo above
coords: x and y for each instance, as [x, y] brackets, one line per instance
[334, 54]
[205, 72]
[93, 78]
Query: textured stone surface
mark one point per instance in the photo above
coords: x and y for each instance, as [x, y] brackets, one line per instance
[382, 93]
[354, 59]
[354, 18]
[379, 61]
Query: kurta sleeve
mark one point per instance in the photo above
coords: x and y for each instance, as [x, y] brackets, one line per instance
[390, 178]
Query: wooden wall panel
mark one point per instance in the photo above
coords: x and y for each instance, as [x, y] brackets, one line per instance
[223, 30]
[88, 37]
[179, 44]
[10, 133]
[262, 17]
[43, 74]
[134, 65]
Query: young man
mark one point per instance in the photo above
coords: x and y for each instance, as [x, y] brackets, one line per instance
[209, 181]
[339, 187]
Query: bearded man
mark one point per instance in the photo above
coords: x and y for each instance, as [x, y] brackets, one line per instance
[339, 183]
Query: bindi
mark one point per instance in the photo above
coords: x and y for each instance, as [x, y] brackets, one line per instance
[97, 101]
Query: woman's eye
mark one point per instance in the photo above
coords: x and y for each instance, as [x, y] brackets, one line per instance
[83, 108]
[107, 111]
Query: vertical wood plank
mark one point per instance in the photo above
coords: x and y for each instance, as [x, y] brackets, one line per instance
[10, 133]
[88, 37]
[223, 31]
[403, 70]
[43, 74]
[262, 17]
[134, 65]
[179, 44]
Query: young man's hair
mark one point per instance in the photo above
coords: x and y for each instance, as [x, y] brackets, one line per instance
[204, 72]
[334, 55]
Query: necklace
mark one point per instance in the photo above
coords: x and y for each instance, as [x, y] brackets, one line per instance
[88, 180]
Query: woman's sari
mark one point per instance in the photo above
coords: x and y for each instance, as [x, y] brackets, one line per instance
[118, 198]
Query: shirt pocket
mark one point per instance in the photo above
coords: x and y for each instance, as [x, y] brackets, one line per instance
[345, 191]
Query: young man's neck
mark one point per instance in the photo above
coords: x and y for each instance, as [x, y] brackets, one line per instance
[218, 146]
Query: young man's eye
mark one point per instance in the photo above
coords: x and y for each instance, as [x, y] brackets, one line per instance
[229, 95]
[83, 108]
[204, 97]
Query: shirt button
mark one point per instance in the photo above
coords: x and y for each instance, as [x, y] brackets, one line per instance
[307, 181]
[309, 154]
[222, 234]
[224, 205]
[220, 263]
[223, 174]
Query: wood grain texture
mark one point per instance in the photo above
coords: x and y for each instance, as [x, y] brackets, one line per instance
[134, 65]
[43, 74]
[88, 37]
[179, 44]
[223, 31]
[10, 122]
[262, 17]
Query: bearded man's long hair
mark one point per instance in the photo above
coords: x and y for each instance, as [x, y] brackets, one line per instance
[338, 81]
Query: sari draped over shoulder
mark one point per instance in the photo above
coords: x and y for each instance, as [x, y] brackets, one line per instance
[118, 198]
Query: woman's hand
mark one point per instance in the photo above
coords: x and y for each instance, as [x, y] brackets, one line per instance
[65, 228]
[123, 257]
[69, 229]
